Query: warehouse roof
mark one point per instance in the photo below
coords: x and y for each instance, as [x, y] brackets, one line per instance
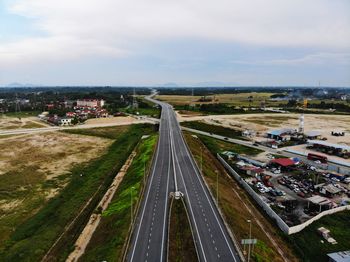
[324, 143]
[319, 200]
[283, 162]
[313, 133]
[343, 256]
[279, 132]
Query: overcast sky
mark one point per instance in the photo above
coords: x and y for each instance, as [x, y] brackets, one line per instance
[189, 42]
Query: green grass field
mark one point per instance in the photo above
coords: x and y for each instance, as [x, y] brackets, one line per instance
[217, 130]
[308, 243]
[109, 238]
[218, 146]
[145, 108]
[22, 114]
[32, 239]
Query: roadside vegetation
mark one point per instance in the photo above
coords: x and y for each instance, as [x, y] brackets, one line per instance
[109, 239]
[218, 146]
[87, 183]
[236, 205]
[145, 108]
[213, 129]
[310, 245]
[181, 244]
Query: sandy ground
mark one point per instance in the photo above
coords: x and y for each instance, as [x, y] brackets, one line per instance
[15, 123]
[53, 153]
[264, 122]
[122, 120]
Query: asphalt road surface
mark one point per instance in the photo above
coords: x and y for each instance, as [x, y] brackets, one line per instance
[174, 169]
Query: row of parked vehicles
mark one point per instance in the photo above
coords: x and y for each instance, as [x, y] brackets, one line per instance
[301, 188]
[262, 188]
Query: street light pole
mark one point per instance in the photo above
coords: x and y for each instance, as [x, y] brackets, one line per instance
[250, 237]
[201, 159]
[131, 206]
[217, 186]
[144, 173]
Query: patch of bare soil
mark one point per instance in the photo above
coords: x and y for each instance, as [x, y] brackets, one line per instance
[15, 123]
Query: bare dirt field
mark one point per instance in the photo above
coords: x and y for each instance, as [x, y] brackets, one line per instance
[122, 120]
[34, 168]
[264, 122]
[53, 153]
[15, 123]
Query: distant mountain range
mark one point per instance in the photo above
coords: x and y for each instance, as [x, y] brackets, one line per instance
[201, 84]
[15, 84]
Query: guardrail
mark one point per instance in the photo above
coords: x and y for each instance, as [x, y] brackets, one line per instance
[269, 211]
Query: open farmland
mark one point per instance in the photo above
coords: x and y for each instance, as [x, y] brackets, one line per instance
[253, 99]
[33, 168]
[53, 229]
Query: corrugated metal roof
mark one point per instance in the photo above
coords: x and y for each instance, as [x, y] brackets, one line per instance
[313, 133]
[324, 143]
[279, 132]
[283, 162]
[343, 256]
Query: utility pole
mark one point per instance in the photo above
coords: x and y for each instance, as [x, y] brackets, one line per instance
[144, 173]
[217, 187]
[201, 159]
[250, 237]
[18, 107]
[131, 206]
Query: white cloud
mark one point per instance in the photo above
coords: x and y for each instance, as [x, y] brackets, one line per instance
[312, 59]
[76, 28]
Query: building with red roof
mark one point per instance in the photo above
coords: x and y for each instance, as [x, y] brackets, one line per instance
[283, 162]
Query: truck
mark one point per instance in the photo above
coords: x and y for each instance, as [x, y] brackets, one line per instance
[317, 157]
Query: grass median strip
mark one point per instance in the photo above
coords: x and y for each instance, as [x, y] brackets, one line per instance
[181, 244]
[107, 242]
[87, 184]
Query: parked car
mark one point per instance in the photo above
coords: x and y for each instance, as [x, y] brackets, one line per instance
[301, 194]
[296, 190]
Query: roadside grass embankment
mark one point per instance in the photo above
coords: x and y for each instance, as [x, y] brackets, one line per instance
[215, 129]
[181, 244]
[235, 203]
[87, 184]
[108, 241]
[145, 108]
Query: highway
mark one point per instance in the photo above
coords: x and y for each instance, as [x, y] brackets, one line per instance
[149, 240]
[174, 169]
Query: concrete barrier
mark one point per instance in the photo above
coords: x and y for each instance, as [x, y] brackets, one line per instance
[269, 211]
